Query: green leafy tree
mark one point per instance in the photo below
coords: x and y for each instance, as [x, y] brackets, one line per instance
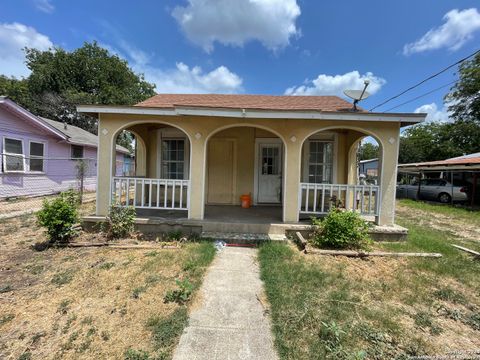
[60, 80]
[438, 141]
[464, 97]
[368, 151]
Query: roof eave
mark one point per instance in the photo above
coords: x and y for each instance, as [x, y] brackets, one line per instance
[13, 106]
[403, 118]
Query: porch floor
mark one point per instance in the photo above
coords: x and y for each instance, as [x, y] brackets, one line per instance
[237, 214]
[223, 213]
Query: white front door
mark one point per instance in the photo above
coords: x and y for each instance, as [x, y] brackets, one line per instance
[269, 172]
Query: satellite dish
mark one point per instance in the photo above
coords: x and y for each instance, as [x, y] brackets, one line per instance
[358, 95]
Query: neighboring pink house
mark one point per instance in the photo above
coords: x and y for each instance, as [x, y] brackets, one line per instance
[41, 156]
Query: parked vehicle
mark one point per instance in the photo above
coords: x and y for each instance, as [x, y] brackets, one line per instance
[434, 189]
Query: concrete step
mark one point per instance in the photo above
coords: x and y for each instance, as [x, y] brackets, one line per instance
[242, 238]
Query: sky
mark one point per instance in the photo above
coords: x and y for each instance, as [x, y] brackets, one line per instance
[293, 47]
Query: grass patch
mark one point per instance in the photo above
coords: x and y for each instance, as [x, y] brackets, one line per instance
[62, 277]
[454, 263]
[318, 311]
[448, 210]
[6, 318]
[167, 330]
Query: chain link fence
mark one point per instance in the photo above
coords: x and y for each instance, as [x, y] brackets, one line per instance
[25, 182]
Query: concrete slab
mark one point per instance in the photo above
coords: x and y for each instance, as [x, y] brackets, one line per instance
[231, 322]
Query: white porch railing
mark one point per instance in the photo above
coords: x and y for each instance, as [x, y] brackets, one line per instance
[318, 199]
[144, 193]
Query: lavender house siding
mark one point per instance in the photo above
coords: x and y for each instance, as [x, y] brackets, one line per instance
[60, 171]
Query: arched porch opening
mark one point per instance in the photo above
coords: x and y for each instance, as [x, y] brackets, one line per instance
[244, 160]
[332, 174]
[158, 183]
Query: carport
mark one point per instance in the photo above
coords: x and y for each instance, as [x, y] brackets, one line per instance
[462, 169]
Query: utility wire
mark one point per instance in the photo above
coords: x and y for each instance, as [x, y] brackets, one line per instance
[421, 96]
[425, 80]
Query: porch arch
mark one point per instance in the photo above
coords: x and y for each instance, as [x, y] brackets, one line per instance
[268, 129]
[344, 174]
[163, 191]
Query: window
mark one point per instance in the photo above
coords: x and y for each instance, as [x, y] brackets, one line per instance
[13, 159]
[77, 152]
[36, 156]
[320, 162]
[173, 158]
[270, 160]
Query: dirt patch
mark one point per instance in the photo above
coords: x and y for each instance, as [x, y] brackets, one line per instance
[89, 303]
[454, 225]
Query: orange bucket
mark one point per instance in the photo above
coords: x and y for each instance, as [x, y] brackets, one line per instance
[246, 201]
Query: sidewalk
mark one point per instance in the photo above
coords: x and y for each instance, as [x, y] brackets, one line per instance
[231, 322]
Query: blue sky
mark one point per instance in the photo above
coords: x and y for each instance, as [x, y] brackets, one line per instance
[260, 46]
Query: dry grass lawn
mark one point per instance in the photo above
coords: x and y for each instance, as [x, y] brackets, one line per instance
[87, 303]
[380, 308]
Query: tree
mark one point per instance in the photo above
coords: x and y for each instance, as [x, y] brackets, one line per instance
[464, 97]
[368, 151]
[60, 80]
[439, 141]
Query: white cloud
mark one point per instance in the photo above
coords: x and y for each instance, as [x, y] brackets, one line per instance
[458, 28]
[433, 113]
[334, 85]
[13, 38]
[44, 5]
[182, 78]
[235, 22]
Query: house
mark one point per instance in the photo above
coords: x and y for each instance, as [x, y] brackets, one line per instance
[369, 168]
[41, 156]
[295, 156]
[459, 171]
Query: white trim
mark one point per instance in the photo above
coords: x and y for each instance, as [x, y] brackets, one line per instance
[254, 114]
[305, 162]
[258, 142]
[186, 155]
[27, 114]
[5, 154]
[44, 143]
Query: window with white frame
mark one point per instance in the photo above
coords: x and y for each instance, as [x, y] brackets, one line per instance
[37, 152]
[77, 152]
[173, 159]
[319, 166]
[13, 156]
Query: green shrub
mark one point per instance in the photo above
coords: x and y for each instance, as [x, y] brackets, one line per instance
[132, 354]
[180, 295]
[120, 221]
[341, 230]
[58, 216]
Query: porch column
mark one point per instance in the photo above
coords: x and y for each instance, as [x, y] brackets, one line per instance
[105, 165]
[197, 176]
[388, 166]
[292, 181]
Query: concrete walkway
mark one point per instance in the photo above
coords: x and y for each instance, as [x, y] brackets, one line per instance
[230, 323]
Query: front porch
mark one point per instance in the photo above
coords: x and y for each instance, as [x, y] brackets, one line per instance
[296, 157]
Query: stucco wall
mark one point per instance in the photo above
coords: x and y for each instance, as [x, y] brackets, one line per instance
[292, 132]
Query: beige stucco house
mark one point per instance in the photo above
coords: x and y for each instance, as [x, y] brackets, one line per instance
[295, 156]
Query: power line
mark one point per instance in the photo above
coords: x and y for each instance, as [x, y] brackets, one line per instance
[425, 80]
[420, 96]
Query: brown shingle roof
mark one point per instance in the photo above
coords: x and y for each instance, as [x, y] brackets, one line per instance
[253, 102]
